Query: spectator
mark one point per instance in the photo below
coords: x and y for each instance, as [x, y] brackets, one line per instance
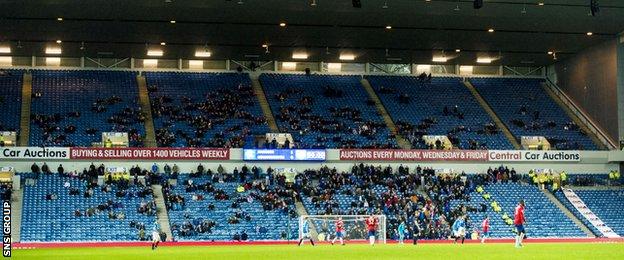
[200, 169]
[34, 168]
[142, 235]
[45, 169]
[60, 170]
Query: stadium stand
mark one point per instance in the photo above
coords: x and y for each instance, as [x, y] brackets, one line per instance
[222, 205]
[544, 218]
[204, 109]
[561, 197]
[51, 207]
[439, 106]
[326, 111]
[525, 107]
[5, 192]
[10, 98]
[73, 108]
[369, 189]
[588, 179]
[210, 208]
[397, 195]
[270, 130]
[607, 205]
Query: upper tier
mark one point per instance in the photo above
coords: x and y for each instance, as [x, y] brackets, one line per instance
[73, 108]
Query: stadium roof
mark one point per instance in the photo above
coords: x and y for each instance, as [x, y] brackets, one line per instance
[523, 30]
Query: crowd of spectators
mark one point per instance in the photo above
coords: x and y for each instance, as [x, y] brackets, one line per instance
[419, 195]
[56, 132]
[460, 122]
[378, 190]
[335, 124]
[203, 114]
[190, 227]
[272, 192]
[115, 208]
[414, 133]
[535, 122]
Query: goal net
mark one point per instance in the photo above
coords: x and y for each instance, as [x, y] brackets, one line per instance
[323, 227]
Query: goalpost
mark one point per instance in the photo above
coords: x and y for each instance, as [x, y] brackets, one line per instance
[354, 225]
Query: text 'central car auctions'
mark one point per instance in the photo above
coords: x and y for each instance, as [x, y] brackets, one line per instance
[534, 156]
[284, 155]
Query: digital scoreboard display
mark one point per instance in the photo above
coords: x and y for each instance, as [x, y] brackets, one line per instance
[284, 154]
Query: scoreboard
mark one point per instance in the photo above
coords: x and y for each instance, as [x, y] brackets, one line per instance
[284, 155]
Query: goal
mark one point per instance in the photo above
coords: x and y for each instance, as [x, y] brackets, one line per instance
[322, 227]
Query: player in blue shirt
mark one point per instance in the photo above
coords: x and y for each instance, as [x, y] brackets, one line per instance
[401, 231]
[306, 233]
[459, 229]
[155, 235]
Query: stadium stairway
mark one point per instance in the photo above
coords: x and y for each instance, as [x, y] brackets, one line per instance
[264, 103]
[574, 117]
[403, 143]
[24, 133]
[569, 214]
[16, 214]
[492, 114]
[161, 211]
[146, 107]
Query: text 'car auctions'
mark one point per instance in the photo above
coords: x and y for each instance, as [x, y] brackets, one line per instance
[50, 153]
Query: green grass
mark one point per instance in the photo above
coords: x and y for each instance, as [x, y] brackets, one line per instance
[391, 251]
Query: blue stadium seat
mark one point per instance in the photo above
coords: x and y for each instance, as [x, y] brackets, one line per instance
[544, 219]
[354, 97]
[428, 99]
[608, 205]
[53, 220]
[561, 197]
[64, 92]
[275, 222]
[185, 89]
[11, 98]
[507, 96]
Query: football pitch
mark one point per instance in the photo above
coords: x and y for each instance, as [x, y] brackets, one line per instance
[359, 251]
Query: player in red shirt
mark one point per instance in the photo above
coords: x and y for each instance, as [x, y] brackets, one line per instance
[371, 226]
[485, 225]
[519, 221]
[339, 231]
